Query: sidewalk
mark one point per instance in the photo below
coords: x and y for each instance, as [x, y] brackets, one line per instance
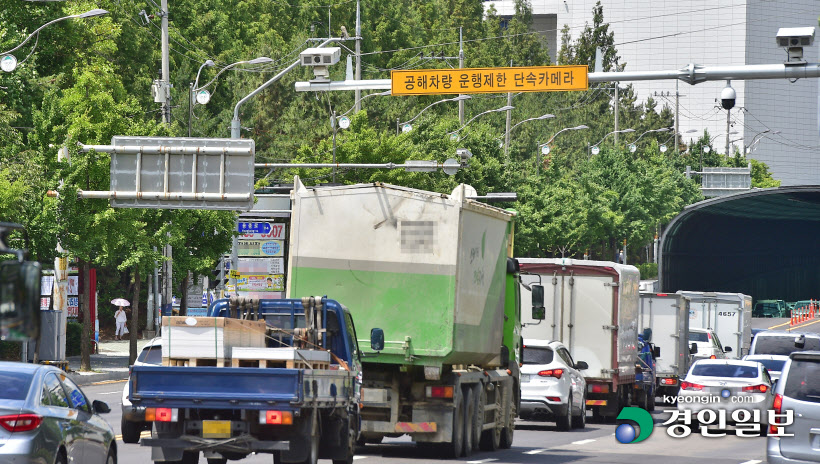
[110, 365]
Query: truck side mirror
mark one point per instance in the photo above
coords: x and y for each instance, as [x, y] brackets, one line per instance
[656, 352]
[538, 311]
[727, 349]
[693, 349]
[376, 339]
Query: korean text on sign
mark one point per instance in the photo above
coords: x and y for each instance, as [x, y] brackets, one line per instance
[489, 80]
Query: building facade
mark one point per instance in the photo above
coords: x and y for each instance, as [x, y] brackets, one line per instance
[653, 35]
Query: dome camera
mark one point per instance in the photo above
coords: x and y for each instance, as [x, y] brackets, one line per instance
[728, 97]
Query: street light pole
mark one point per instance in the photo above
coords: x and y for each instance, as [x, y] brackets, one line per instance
[510, 129]
[459, 99]
[166, 68]
[497, 110]
[546, 145]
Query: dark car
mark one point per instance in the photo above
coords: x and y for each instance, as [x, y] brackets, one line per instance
[46, 419]
[770, 308]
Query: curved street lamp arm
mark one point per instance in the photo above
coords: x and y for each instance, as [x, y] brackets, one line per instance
[459, 98]
[504, 108]
[384, 94]
[545, 116]
[87, 14]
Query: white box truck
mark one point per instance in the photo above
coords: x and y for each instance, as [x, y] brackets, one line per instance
[728, 314]
[667, 314]
[592, 308]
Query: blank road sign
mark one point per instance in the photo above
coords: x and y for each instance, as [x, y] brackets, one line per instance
[182, 173]
[489, 80]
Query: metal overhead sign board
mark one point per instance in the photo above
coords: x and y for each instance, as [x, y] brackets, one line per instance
[181, 173]
[489, 80]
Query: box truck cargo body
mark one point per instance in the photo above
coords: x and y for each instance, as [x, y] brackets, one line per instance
[728, 314]
[667, 314]
[435, 273]
[592, 308]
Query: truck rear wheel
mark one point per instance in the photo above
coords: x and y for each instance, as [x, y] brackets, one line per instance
[491, 439]
[455, 447]
[479, 397]
[469, 422]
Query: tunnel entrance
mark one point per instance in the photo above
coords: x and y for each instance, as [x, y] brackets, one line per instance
[764, 243]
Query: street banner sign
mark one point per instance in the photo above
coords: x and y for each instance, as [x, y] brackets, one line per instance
[489, 80]
[257, 230]
[261, 283]
[254, 248]
[261, 266]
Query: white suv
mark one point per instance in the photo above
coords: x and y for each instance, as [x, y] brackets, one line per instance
[551, 385]
[707, 343]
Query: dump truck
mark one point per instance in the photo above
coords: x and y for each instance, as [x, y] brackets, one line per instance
[296, 398]
[432, 276]
[728, 314]
[592, 308]
[666, 316]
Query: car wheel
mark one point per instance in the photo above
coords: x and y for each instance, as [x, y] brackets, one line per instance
[651, 402]
[61, 459]
[112, 456]
[564, 422]
[580, 421]
[130, 431]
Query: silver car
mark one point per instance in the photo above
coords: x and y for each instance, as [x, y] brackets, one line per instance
[133, 417]
[46, 419]
[797, 390]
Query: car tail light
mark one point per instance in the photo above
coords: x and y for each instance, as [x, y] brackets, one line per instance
[690, 386]
[557, 373]
[757, 388]
[713, 357]
[161, 414]
[598, 388]
[554, 398]
[276, 417]
[777, 406]
[668, 381]
[439, 392]
[21, 422]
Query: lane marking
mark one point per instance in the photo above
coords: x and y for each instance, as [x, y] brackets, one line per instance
[535, 451]
[356, 458]
[143, 434]
[111, 393]
[779, 325]
[482, 461]
[583, 442]
[754, 461]
[106, 382]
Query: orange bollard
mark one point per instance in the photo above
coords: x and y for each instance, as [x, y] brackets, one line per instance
[792, 321]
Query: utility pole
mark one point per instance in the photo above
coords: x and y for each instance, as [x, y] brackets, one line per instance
[460, 66]
[728, 128]
[677, 118]
[358, 55]
[509, 123]
[616, 113]
[166, 71]
[168, 281]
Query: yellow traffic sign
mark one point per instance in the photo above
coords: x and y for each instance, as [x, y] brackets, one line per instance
[489, 80]
[233, 274]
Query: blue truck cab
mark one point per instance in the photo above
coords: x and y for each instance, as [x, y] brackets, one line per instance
[645, 382]
[297, 413]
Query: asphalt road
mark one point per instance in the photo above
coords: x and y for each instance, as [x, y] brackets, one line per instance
[535, 442]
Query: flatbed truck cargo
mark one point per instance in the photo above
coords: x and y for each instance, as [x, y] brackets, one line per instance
[667, 315]
[592, 308]
[296, 399]
[434, 272]
[728, 314]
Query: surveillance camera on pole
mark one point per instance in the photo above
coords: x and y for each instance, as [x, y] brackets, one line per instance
[320, 59]
[728, 97]
[464, 154]
[794, 39]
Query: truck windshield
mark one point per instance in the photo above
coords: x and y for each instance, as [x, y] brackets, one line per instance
[773, 344]
[537, 355]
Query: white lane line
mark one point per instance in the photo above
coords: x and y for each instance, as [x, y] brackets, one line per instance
[482, 461]
[754, 461]
[535, 451]
[111, 393]
[356, 458]
[583, 442]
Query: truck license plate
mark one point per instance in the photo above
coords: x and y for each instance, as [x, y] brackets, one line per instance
[216, 429]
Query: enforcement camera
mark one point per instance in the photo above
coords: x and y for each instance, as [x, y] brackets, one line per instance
[464, 154]
[319, 59]
[794, 39]
[728, 97]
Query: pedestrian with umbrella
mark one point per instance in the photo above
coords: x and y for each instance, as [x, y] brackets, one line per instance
[120, 317]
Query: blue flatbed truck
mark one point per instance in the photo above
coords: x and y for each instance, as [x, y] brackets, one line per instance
[296, 414]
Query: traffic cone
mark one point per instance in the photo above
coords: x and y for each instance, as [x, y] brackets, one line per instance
[793, 321]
